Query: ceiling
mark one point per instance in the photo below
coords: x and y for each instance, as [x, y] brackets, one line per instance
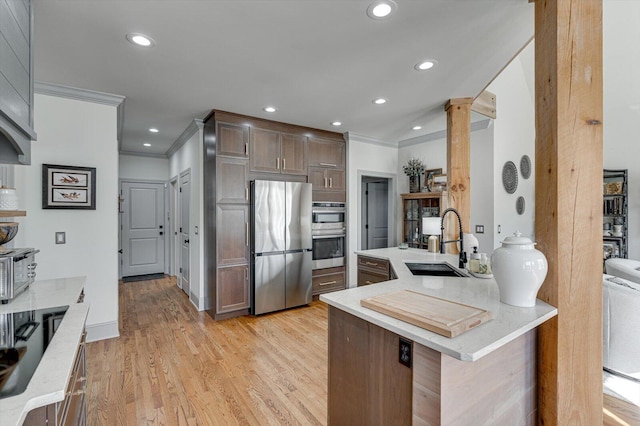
[317, 61]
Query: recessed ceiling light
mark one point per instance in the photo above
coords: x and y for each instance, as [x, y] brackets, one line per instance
[381, 9]
[146, 144]
[270, 109]
[153, 130]
[426, 65]
[379, 101]
[336, 123]
[141, 40]
[417, 127]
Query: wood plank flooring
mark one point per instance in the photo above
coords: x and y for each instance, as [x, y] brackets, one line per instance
[173, 365]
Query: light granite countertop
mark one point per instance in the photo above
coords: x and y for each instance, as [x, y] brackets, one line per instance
[50, 379]
[508, 323]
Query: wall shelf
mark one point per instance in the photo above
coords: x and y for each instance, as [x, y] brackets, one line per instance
[12, 213]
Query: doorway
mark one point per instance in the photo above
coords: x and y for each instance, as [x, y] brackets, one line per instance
[376, 210]
[142, 228]
[184, 197]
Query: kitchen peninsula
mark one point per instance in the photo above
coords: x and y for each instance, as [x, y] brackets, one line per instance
[55, 392]
[484, 376]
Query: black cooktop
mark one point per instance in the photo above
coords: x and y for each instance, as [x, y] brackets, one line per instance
[24, 337]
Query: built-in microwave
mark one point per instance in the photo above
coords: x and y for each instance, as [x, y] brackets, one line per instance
[328, 217]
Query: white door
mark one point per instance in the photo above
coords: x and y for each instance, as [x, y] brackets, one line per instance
[185, 192]
[142, 228]
[377, 224]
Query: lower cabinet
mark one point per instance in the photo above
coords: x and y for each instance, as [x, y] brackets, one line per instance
[367, 384]
[73, 409]
[328, 280]
[372, 270]
[232, 288]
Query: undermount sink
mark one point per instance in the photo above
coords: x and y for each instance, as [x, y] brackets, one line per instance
[435, 269]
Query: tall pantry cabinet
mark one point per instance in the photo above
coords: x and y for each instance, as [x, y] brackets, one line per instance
[237, 150]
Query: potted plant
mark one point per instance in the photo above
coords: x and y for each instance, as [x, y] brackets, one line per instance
[414, 168]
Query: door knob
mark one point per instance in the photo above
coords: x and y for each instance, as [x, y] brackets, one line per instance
[161, 233]
[186, 241]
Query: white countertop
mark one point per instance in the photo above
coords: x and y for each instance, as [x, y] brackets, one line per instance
[508, 323]
[50, 379]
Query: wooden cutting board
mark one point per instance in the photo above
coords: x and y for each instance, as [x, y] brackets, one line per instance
[441, 316]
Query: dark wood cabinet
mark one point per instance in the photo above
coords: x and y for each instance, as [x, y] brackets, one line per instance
[328, 280]
[326, 179]
[232, 175]
[277, 152]
[327, 153]
[372, 270]
[233, 234]
[232, 140]
[232, 289]
[367, 384]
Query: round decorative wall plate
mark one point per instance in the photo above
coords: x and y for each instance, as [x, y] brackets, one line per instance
[520, 205]
[525, 167]
[510, 177]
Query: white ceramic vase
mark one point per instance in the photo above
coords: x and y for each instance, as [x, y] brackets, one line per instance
[519, 270]
[8, 199]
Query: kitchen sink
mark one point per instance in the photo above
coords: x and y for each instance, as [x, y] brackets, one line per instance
[435, 269]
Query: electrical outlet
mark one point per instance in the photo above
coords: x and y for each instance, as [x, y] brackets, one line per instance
[479, 229]
[61, 238]
[405, 351]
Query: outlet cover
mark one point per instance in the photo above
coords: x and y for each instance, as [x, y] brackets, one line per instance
[61, 238]
[479, 229]
[405, 352]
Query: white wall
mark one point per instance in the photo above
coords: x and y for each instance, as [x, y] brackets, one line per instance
[143, 168]
[513, 137]
[76, 133]
[621, 67]
[372, 160]
[190, 157]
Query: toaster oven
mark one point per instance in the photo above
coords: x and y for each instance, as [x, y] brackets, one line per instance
[17, 272]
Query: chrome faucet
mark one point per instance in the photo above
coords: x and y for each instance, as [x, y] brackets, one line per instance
[462, 259]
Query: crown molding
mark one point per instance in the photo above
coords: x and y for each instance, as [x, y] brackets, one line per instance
[191, 130]
[441, 134]
[143, 154]
[356, 137]
[69, 92]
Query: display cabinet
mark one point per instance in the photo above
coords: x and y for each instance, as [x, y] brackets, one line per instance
[614, 210]
[415, 206]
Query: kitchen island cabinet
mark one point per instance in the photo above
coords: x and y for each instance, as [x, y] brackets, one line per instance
[55, 392]
[483, 376]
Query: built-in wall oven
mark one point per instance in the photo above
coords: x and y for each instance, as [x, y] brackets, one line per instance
[328, 232]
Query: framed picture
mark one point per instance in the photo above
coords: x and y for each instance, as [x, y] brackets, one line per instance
[68, 187]
[429, 177]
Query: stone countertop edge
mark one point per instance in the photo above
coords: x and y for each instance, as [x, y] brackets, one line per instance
[508, 322]
[49, 381]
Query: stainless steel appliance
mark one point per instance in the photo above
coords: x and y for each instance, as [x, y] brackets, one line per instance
[281, 249]
[328, 230]
[24, 337]
[17, 272]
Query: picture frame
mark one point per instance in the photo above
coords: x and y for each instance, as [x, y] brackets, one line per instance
[429, 178]
[68, 187]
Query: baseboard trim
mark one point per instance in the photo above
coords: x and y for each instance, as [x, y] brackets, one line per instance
[102, 331]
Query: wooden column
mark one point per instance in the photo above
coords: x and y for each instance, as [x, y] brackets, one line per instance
[459, 157]
[568, 216]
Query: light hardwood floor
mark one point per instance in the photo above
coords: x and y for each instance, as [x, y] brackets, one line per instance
[173, 365]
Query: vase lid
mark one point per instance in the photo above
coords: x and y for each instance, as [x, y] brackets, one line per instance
[517, 240]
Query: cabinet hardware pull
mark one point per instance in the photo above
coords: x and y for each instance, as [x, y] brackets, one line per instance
[246, 239]
[246, 193]
[368, 282]
[370, 263]
[284, 163]
[328, 165]
[278, 163]
[325, 182]
[78, 392]
[246, 274]
[329, 282]
[330, 182]
[246, 148]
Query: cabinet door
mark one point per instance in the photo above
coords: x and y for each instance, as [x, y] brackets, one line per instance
[327, 153]
[232, 180]
[232, 140]
[294, 154]
[265, 151]
[232, 289]
[335, 180]
[317, 178]
[233, 234]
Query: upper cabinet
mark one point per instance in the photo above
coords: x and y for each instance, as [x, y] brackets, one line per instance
[16, 82]
[327, 153]
[233, 139]
[278, 152]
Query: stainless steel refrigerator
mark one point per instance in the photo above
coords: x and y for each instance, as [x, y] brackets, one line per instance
[282, 245]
